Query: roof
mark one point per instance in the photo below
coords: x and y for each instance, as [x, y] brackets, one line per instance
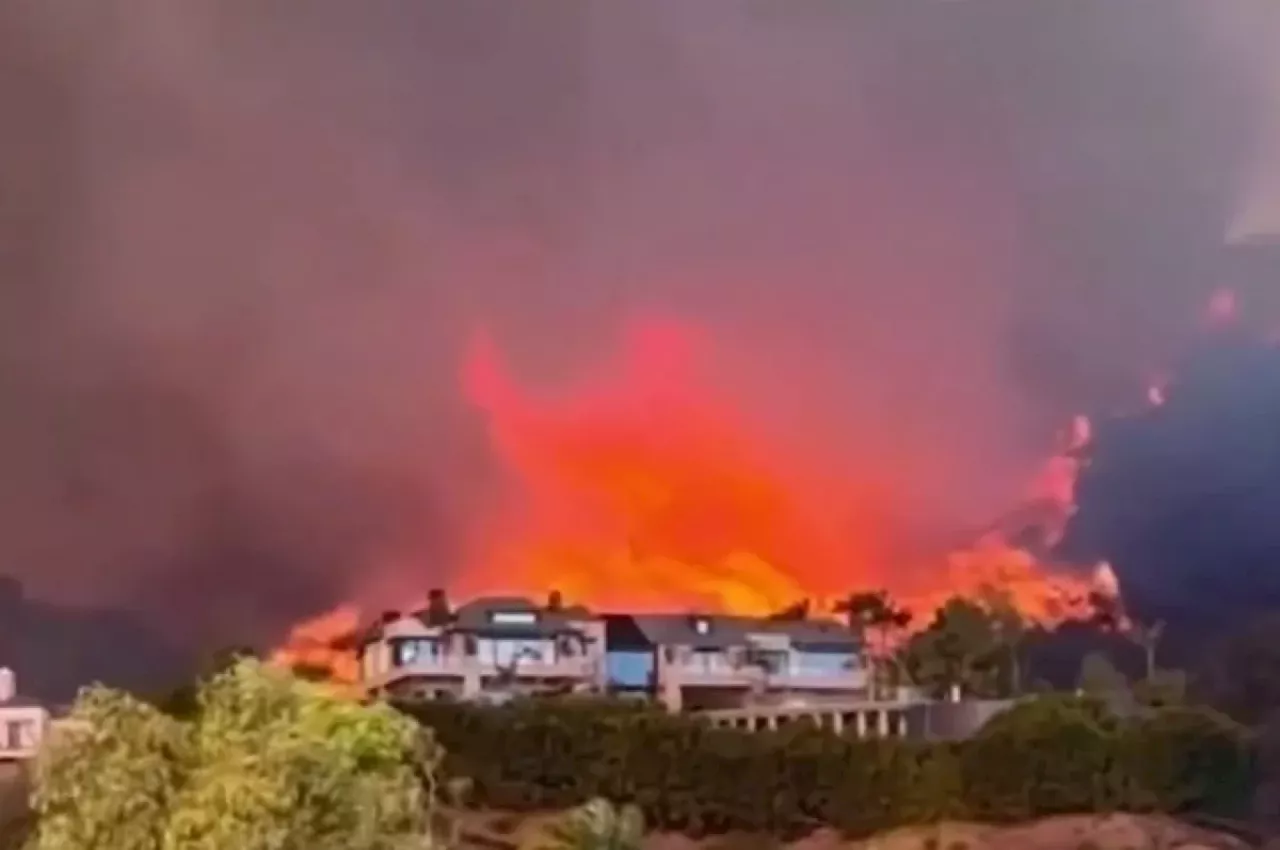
[723, 631]
[485, 615]
[19, 701]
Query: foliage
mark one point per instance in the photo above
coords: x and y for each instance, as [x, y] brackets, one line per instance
[1165, 688]
[964, 646]
[266, 761]
[1099, 677]
[1241, 675]
[1046, 755]
[597, 825]
[876, 619]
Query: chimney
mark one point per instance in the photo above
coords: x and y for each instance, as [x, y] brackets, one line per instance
[8, 684]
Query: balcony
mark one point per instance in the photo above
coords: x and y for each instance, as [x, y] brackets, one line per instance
[450, 665]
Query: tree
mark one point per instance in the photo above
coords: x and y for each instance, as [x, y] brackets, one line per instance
[597, 825]
[796, 611]
[961, 648]
[1099, 677]
[1241, 673]
[182, 701]
[268, 761]
[1010, 630]
[1147, 638]
[876, 619]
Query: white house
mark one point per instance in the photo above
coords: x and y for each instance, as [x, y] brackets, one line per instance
[490, 648]
[23, 722]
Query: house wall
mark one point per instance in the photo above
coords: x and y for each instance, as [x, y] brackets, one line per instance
[413, 659]
[22, 730]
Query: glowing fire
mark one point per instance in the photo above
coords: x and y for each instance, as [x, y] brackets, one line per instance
[648, 492]
[322, 644]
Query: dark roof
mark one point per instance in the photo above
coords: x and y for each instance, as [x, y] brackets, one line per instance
[481, 616]
[477, 616]
[621, 632]
[725, 631]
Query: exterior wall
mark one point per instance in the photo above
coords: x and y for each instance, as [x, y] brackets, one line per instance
[689, 677]
[22, 729]
[428, 661]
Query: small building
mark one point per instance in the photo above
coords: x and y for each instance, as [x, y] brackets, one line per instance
[694, 662]
[490, 648]
[23, 722]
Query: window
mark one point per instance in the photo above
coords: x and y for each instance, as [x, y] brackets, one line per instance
[702, 625]
[709, 661]
[513, 618]
[815, 663]
[771, 661]
[414, 651]
[630, 669]
[19, 734]
[506, 651]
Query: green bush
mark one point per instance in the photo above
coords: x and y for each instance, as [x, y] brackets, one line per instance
[1049, 755]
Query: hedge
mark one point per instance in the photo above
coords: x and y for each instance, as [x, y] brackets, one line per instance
[1052, 755]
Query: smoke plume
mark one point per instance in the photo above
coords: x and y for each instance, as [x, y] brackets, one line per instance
[242, 247]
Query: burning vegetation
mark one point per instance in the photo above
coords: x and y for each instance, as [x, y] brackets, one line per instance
[649, 492]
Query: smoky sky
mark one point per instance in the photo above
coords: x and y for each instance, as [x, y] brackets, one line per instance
[242, 246]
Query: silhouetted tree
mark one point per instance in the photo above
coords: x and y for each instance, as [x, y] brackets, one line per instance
[1010, 632]
[960, 648]
[1099, 677]
[1147, 638]
[1241, 673]
[793, 612]
[877, 620]
[181, 701]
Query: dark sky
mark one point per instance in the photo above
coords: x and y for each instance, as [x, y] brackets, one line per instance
[242, 245]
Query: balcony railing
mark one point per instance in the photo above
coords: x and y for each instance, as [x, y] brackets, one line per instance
[449, 665]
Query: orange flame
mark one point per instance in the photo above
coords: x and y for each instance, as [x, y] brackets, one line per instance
[647, 492]
[323, 644]
[650, 493]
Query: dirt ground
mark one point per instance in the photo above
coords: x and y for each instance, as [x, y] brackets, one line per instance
[497, 831]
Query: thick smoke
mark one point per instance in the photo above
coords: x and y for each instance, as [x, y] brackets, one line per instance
[243, 244]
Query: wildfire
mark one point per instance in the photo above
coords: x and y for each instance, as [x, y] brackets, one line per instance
[324, 644]
[649, 492]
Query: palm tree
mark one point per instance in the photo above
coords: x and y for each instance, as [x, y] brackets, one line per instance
[597, 825]
[1148, 639]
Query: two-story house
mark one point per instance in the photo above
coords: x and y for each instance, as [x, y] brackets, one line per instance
[23, 722]
[487, 648]
[707, 662]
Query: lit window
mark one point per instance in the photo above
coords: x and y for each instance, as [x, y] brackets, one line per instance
[702, 626]
[513, 618]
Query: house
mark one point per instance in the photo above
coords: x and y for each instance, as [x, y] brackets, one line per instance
[23, 722]
[489, 648]
[708, 662]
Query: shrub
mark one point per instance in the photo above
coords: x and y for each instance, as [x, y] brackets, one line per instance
[1047, 756]
[264, 761]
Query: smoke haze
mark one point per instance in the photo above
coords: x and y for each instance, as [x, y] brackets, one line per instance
[242, 247]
